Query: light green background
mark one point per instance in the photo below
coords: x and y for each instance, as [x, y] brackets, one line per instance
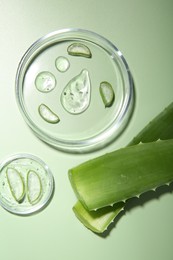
[142, 30]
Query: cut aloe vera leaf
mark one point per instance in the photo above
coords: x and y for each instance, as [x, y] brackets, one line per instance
[123, 174]
[34, 187]
[47, 114]
[107, 93]
[160, 126]
[99, 220]
[16, 184]
[79, 49]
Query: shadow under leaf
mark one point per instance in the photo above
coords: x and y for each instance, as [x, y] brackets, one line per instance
[137, 202]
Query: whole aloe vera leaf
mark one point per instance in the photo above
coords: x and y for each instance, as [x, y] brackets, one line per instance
[160, 127]
[98, 220]
[123, 174]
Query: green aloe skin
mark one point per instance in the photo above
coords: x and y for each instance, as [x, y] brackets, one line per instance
[111, 179]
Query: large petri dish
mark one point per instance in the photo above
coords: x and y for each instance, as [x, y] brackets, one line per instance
[20, 166]
[94, 126]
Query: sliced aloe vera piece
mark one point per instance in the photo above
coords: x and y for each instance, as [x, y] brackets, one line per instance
[34, 187]
[107, 93]
[47, 114]
[16, 184]
[99, 220]
[79, 49]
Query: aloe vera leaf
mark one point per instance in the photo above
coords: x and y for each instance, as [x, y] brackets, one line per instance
[99, 220]
[160, 126]
[123, 174]
[16, 184]
[79, 49]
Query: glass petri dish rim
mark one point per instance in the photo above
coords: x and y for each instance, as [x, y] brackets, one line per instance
[100, 140]
[37, 207]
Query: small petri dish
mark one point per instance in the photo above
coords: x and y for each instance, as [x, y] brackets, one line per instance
[28, 177]
[84, 123]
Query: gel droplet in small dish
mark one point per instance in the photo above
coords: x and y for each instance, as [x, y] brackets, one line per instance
[62, 64]
[45, 81]
[47, 114]
[79, 49]
[75, 97]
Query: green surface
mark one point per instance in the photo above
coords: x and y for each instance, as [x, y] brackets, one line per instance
[142, 30]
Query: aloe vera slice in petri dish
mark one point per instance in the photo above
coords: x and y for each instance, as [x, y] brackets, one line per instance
[16, 184]
[79, 49]
[34, 187]
[47, 114]
[107, 93]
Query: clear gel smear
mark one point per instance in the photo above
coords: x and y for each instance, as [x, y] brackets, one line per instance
[75, 97]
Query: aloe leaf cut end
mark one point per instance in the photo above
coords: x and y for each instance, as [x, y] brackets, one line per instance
[97, 221]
